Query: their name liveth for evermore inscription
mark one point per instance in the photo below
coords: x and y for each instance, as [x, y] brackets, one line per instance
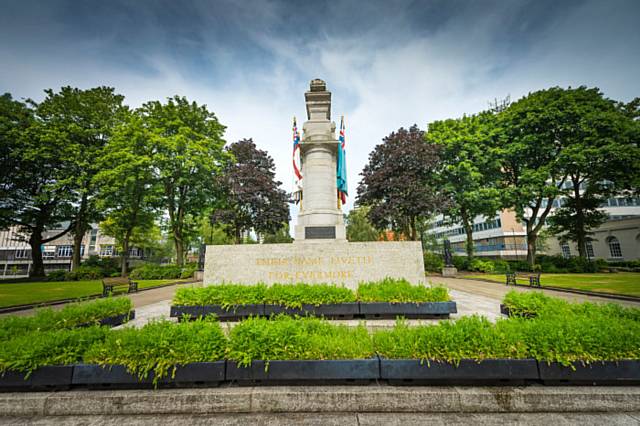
[298, 268]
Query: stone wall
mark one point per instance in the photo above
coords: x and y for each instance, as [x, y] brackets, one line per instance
[314, 262]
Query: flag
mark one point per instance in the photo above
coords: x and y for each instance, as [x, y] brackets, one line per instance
[297, 165]
[341, 172]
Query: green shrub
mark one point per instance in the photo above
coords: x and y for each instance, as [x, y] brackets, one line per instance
[400, 290]
[433, 262]
[296, 295]
[155, 272]
[501, 266]
[160, 346]
[71, 315]
[286, 338]
[460, 262]
[481, 265]
[188, 271]
[26, 352]
[469, 337]
[226, 295]
[59, 275]
[108, 265]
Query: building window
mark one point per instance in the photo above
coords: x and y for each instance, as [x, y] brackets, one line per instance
[589, 246]
[566, 250]
[92, 240]
[106, 250]
[64, 251]
[22, 253]
[614, 248]
[48, 252]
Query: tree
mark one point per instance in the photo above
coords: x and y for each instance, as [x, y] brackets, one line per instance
[188, 157]
[129, 188]
[399, 182]
[254, 200]
[359, 228]
[282, 236]
[82, 121]
[33, 184]
[469, 174]
[598, 156]
[530, 133]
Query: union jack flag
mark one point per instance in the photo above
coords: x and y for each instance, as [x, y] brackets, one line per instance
[297, 165]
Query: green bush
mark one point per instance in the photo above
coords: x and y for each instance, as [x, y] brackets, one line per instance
[398, 291]
[286, 338]
[433, 262]
[83, 273]
[188, 271]
[155, 272]
[160, 346]
[501, 266]
[108, 265]
[26, 352]
[226, 295]
[70, 316]
[481, 265]
[58, 275]
[460, 262]
[296, 295]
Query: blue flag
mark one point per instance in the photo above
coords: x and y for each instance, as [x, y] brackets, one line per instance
[341, 172]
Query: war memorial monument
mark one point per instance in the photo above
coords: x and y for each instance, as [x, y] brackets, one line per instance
[320, 252]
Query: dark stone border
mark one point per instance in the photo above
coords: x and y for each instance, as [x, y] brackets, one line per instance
[112, 321]
[363, 310]
[409, 372]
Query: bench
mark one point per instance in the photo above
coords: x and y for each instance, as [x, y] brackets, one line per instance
[534, 278]
[108, 284]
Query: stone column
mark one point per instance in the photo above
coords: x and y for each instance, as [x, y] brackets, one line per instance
[319, 218]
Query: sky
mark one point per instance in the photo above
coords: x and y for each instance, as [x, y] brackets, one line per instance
[388, 64]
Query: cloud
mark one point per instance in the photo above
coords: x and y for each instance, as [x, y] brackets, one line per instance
[388, 64]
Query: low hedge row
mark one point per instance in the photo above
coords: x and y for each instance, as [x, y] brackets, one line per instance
[162, 272]
[160, 346]
[70, 316]
[544, 263]
[296, 295]
[536, 304]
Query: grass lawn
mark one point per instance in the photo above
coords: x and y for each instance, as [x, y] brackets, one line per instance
[627, 283]
[35, 292]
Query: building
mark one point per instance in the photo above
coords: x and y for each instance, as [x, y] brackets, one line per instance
[504, 237]
[15, 255]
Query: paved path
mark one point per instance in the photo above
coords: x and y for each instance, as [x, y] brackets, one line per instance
[497, 291]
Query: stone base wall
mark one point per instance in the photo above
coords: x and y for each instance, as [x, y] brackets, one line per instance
[314, 262]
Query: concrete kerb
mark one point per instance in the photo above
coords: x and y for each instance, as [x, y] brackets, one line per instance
[324, 399]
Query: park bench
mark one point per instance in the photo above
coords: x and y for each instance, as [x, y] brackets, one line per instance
[108, 284]
[534, 278]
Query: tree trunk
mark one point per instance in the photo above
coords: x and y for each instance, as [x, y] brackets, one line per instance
[177, 238]
[414, 233]
[531, 245]
[581, 237]
[35, 241]
[80, 228]
[124, 271]
[468, 229]
[238, 235]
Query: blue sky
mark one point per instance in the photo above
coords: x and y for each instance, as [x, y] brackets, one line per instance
[388, 63]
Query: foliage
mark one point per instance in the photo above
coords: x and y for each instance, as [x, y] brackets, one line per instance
[481, 265]
[160, 346]
[359, 228]
[296, 295]
[128, 185]
[286, 338]
[35, 189]
[281, 236]
[26, 352]
[400, 290]
[83, 273]
[156, 272]
[253, 199]
[72, 315]
[469, 176]
[108, 265]
[189, 156]
[399, 182]
[82, 121]
[226, 295]
[471, 337]
[59, 275]
[433, 262]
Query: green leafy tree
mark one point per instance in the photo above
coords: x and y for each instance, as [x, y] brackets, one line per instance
[530, 139]
[82, 121]
[129, 188]
[188, 157]
[254, 200]
[281, 236]
[34, 189]
[599, 156]
[470, 174]
[359, 228]
[399, 184]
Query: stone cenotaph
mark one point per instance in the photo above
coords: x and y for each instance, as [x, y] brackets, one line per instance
[320, 252]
